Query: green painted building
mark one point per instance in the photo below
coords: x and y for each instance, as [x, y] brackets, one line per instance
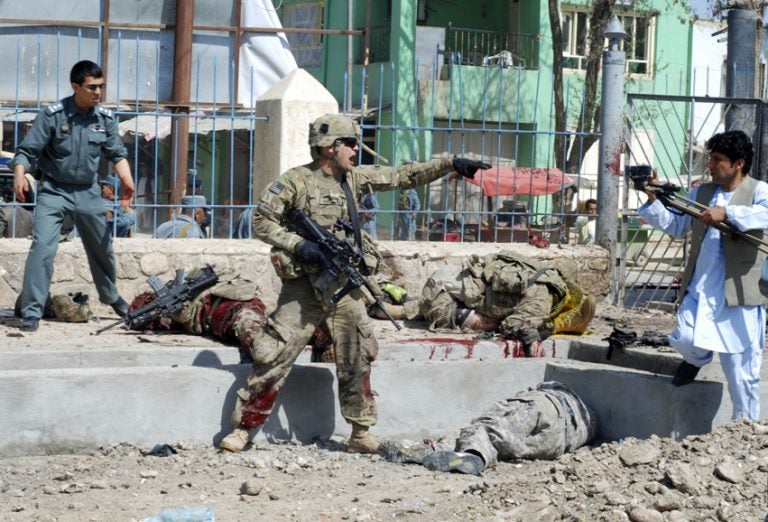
[476, 77]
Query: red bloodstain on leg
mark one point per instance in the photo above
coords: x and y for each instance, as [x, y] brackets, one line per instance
[257, 409]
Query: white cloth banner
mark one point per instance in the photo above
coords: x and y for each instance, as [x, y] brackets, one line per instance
[265, 58]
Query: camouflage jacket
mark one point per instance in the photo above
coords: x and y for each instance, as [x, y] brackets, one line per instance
[319, 194]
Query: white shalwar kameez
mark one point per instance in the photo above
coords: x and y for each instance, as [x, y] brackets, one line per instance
[705, 324]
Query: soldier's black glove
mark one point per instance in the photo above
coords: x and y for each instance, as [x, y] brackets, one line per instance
[468, 167]
[309, 252]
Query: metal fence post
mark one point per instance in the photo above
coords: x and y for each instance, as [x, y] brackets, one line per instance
[740, 75]
[609, 173]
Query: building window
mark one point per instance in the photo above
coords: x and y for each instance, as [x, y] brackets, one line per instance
[307, 48]
[639, 46]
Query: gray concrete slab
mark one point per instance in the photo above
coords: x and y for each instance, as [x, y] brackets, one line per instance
[80, 391]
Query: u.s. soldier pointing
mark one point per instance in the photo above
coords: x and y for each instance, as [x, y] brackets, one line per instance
[326, 190]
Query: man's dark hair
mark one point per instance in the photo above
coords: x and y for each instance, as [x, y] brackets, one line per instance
[590, 201]
[735, 145]
[82, 69]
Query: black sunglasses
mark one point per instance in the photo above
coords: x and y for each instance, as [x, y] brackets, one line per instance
[349, 142]
[93, 86]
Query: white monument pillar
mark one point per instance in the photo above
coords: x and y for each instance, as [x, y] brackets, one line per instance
[281, 142]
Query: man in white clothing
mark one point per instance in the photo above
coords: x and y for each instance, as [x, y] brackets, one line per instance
[722, 306]
[585, 225]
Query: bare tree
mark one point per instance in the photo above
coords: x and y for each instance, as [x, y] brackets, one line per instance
[557, 80]
[589, 118]
[590, 108]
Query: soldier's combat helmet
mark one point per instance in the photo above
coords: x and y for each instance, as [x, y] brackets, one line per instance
[325, 130]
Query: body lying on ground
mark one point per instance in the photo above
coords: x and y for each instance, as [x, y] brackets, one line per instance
[541, 423]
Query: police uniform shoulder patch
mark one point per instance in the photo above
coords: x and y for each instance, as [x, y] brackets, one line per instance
[53, 109]
[276, 188]
[106, 112]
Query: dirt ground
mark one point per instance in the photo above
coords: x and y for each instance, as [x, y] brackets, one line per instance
[721, 476]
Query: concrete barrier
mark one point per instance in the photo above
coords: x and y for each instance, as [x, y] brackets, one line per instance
[71, 399]
[73, 391]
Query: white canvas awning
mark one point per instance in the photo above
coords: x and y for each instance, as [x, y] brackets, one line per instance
[153, 126]
[19, 116]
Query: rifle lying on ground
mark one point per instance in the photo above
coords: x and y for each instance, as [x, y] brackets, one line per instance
[170, 298]
[640, 175]
[339, 258]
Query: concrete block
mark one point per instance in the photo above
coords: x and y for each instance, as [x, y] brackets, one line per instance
[639, 404]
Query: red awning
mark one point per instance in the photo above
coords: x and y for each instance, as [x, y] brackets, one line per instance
[520, 181]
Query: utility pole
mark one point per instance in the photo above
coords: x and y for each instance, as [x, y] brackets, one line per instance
[741, 65]
[611, 111]
[182, 75]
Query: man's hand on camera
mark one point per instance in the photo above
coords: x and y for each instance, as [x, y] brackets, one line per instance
[309, 252]
[653, 182]
[468, 167]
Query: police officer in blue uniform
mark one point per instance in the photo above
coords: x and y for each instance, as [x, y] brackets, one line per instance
[67, 139]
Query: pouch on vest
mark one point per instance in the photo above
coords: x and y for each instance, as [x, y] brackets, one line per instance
[508, 272]
[236, 290]
[285, 264]
[371, 255]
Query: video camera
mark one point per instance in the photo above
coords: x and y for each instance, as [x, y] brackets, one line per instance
[640, 176]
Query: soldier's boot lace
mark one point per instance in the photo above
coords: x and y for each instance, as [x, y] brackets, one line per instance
[576, 320]
[458, 462]
[362, 440]
[235, 441]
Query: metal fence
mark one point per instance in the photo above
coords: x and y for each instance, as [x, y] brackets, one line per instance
[651, 263]
[495, 123]
[482, 47]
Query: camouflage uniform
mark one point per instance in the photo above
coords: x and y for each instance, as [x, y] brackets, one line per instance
[301, 307]
[508, 286]
[229, 311]
[543, 423]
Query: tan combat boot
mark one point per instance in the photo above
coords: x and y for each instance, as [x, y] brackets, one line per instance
[235, 441]
[362, 441]
[576, 320]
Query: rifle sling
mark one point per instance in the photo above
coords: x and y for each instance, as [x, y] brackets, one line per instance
[355, 220]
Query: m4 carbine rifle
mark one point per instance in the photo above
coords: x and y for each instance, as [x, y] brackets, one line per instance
[339, 258]
[668, 194]
[170, 298]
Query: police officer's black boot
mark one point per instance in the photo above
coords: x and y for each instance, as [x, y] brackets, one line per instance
[120, 307]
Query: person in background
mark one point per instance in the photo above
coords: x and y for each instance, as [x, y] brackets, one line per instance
[17, 220]
[145, 197]
[409, 205]
[187, 224]
[119, 219]
[585, 225]
[68, 139]
[369, 207]
[194, 183]
[723, 296]
[243, 228]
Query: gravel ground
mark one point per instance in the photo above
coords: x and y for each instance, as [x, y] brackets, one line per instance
[720, 476]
